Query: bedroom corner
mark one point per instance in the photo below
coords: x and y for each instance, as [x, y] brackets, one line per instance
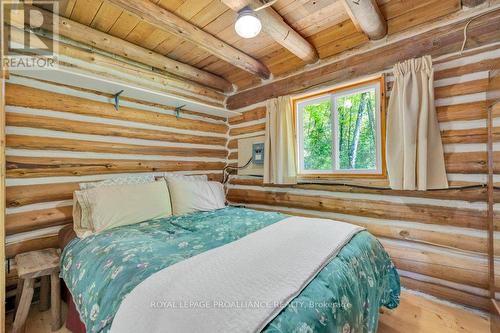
[274, 166]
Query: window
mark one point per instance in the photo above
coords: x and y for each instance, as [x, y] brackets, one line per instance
[340, 132]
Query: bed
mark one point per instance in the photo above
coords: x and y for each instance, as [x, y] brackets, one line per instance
[344, 296]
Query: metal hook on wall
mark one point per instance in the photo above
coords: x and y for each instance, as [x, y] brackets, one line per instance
[178, 111]
[117, 99]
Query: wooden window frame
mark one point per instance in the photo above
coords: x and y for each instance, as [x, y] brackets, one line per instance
[382, 174]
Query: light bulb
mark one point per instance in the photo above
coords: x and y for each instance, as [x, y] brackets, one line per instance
[247, 24]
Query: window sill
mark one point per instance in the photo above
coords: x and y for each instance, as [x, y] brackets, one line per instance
[335, 176]
[364, 180]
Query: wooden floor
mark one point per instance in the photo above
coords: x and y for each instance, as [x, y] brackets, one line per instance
[38, 322]
[415, 314]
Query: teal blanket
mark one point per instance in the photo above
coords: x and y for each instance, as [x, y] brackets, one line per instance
[345, 296]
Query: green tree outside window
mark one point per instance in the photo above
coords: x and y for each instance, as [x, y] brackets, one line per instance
[356, 135]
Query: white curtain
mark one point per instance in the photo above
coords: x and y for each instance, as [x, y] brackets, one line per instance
[280, 147]
[415, 158]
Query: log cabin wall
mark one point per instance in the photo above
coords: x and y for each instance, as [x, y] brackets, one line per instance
[59, 136]
[437, 239]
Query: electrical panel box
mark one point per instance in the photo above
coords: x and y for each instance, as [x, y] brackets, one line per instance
[250, 149]
[258, 153]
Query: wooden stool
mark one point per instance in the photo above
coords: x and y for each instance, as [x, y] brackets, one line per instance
[30, 265]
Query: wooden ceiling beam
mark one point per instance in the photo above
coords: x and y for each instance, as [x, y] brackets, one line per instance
[367, 17]
[167, 21]
[78, 61]
[103, 41]
[472, 3]
[274, 25]
[436, 42]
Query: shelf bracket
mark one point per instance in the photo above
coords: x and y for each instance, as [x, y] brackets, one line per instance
[117, 99]
[178, 111]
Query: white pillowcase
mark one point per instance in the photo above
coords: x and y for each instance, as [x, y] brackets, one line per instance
[124, 180]
[190, 196]
[169, 176]
[106, 207]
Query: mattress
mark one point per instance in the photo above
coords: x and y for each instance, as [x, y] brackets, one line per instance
[101, 270]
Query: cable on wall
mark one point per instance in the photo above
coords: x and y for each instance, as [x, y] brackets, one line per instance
[467, 26]
[226, 176]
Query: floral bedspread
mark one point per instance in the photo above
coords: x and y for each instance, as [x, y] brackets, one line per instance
[102, 269]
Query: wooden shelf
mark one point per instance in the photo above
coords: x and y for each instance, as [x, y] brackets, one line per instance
[63, 75]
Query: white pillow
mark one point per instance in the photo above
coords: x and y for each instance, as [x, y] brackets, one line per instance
[81, 219]
[107, 207]
[190, 196]
[124, 180]
[169, 176]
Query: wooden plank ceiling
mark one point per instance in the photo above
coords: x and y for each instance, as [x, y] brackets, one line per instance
[324, 23]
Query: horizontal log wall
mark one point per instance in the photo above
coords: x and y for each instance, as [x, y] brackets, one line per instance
[59, 136]
[436, 42]
[437, 239]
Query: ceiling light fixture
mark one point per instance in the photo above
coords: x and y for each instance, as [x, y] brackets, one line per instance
[247, 24]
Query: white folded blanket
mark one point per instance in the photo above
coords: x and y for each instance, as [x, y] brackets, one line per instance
[238, 287]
